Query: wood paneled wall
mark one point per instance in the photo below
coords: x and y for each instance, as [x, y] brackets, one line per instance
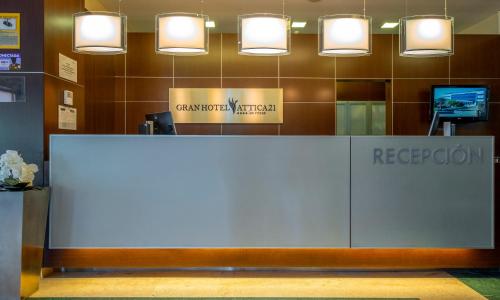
[102, 110]
[476, 61]
[58, 39]
[311, 83]
[309, 92]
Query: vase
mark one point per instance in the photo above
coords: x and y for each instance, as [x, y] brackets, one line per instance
[16, 187]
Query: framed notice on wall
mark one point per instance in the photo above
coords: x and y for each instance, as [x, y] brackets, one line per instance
[232, 106]
[67, 118]
[10, 30]
[68, 68]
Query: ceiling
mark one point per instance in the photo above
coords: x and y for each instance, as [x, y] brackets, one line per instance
[224, 12]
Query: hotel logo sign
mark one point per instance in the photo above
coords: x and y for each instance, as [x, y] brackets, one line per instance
[237, 106]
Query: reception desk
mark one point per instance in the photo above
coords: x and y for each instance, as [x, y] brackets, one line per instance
[270, 192]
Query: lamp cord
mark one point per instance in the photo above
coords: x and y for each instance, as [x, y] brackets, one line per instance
[202, 2]
[445, 8]
[364, 8]
[120, 7]
[283, 8]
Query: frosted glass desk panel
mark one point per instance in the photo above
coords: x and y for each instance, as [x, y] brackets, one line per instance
[406, 192]
[180, 191]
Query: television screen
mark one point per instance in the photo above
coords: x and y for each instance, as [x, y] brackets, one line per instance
[460, 102]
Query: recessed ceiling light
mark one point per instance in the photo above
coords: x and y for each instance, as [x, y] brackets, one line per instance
[296, 24]
[389, 25]
[210, 24]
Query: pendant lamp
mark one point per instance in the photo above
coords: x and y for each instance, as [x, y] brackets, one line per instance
[99, 33]
[426, 36]
[264, 34]
[345, 35]
[181, 34]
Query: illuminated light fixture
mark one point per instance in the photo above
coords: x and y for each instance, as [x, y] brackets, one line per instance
[99, 33]
[264, 34]
[297, 24]
[210, 24]
[389, 25]
[345, 35]
[181, 34]
[426, 36]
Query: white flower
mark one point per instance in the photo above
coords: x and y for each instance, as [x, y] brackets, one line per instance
[4, 173]
[16, 170]
[32, 167]
[11, 157]
[13, 165]
[28, 173]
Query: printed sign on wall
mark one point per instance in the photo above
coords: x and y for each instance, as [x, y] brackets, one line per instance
[10, 30]
[68, 68]
[67, 118]
[10, 62]
[252, 106]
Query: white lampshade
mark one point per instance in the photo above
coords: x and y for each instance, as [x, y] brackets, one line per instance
[264, 34]
[99, 33]
[345, 35]
[181, 34]
[426, 36]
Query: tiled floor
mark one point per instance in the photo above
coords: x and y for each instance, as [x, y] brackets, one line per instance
[421, 285]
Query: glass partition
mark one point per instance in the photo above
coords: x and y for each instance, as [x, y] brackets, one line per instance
[361, 118]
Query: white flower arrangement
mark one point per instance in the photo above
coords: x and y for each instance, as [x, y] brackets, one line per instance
[13, 169]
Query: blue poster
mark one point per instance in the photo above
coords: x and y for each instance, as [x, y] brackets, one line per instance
[10, 62]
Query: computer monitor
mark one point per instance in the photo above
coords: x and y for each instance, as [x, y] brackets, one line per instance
[163, 123]
[460, 102]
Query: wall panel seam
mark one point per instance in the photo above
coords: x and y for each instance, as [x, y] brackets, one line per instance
[445, 78]
[306, 102]
[243, 77]
[392, 84]
[62, 79]
[415, 102]
[125, 95]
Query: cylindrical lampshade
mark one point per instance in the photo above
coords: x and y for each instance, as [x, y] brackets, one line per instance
[264, 34]
[99, 33]
[181, 34]
[345, 35]
[426, 36]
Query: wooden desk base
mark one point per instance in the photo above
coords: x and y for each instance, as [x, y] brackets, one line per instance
[274, 258]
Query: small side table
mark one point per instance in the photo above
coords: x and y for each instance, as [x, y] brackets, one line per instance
[23, 217]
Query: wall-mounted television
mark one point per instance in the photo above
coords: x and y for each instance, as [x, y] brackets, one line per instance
[460, 102]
